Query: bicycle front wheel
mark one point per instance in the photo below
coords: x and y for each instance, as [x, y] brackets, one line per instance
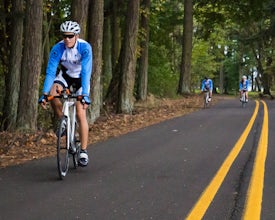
[243, 100]
[205, 99]
[62, 149]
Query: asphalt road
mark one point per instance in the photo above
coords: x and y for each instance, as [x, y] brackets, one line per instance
[158, 172]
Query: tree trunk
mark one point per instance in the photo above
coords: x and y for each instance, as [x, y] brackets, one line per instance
[80, 11]
[112, 92]
[257, 84]
[96, 39]
[107, 54]
[221, 78]
[13, 77]
[116, 35]
[143, 61]
[128, 68]
[185, 73]
[27, 109]
[46, 48]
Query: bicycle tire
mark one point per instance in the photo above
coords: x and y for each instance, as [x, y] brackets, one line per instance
[62, 150]
[206, 97]
[243, 100]
[76, 143]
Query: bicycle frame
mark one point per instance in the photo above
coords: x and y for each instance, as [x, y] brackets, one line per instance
[205, 98]
[69, 111]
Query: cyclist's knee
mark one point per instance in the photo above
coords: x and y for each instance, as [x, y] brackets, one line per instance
[56, 87]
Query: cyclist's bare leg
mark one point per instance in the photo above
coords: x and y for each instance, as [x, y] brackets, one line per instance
[83, 124]
[241, 93]
[210, 95]
[56, 103]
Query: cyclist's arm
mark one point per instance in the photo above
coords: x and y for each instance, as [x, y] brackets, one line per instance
[203, 85]
[86, 68]
[241, 86]
[54, 59]
[211, 85]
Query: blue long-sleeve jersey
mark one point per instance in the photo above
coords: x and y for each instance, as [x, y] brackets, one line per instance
[77, 61]
[207, 84]
[244, 85]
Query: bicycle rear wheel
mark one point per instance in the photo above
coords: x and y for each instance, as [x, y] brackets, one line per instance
[62, 149]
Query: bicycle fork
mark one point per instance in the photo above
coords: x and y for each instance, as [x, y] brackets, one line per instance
[69, 111]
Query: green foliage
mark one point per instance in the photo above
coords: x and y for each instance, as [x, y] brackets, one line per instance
[231, 75]
[162, 81]
[203, 63]
[166, 22]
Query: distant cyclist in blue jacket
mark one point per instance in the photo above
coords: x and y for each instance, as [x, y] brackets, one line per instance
[74, 57]
[207, 85]
[244, 88]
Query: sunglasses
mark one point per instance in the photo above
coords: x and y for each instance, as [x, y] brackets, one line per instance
[70, 36]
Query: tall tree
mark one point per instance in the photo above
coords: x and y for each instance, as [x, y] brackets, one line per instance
[107, 54]
[13, 77]
[112, 91]
[80, 10]
[31, 66]
[96, 39]
[116, 32]
[185, 72]
[128, 65]
[144, 44]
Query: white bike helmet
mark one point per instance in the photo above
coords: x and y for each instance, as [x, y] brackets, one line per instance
[70, 26]
[244, 77]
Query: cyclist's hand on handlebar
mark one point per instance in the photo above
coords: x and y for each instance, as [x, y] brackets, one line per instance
[85, 100]
[43, 101]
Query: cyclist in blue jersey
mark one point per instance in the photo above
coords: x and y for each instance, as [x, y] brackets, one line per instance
[207, 85]
[244, 88]
[73, 56]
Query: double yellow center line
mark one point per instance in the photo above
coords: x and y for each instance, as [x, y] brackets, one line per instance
[254, 196]
[255, 191]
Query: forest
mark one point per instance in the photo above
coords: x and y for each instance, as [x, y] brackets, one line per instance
[140, 47]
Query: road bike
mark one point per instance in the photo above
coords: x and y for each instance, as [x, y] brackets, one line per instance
[68, 144]
[205, 98]
[243, 99]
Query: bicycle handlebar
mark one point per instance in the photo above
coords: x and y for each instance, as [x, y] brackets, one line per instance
[66, 93]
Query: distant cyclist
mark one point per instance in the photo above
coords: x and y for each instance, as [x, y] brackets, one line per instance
[207, 85]
[244, 88]
[74, 56]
